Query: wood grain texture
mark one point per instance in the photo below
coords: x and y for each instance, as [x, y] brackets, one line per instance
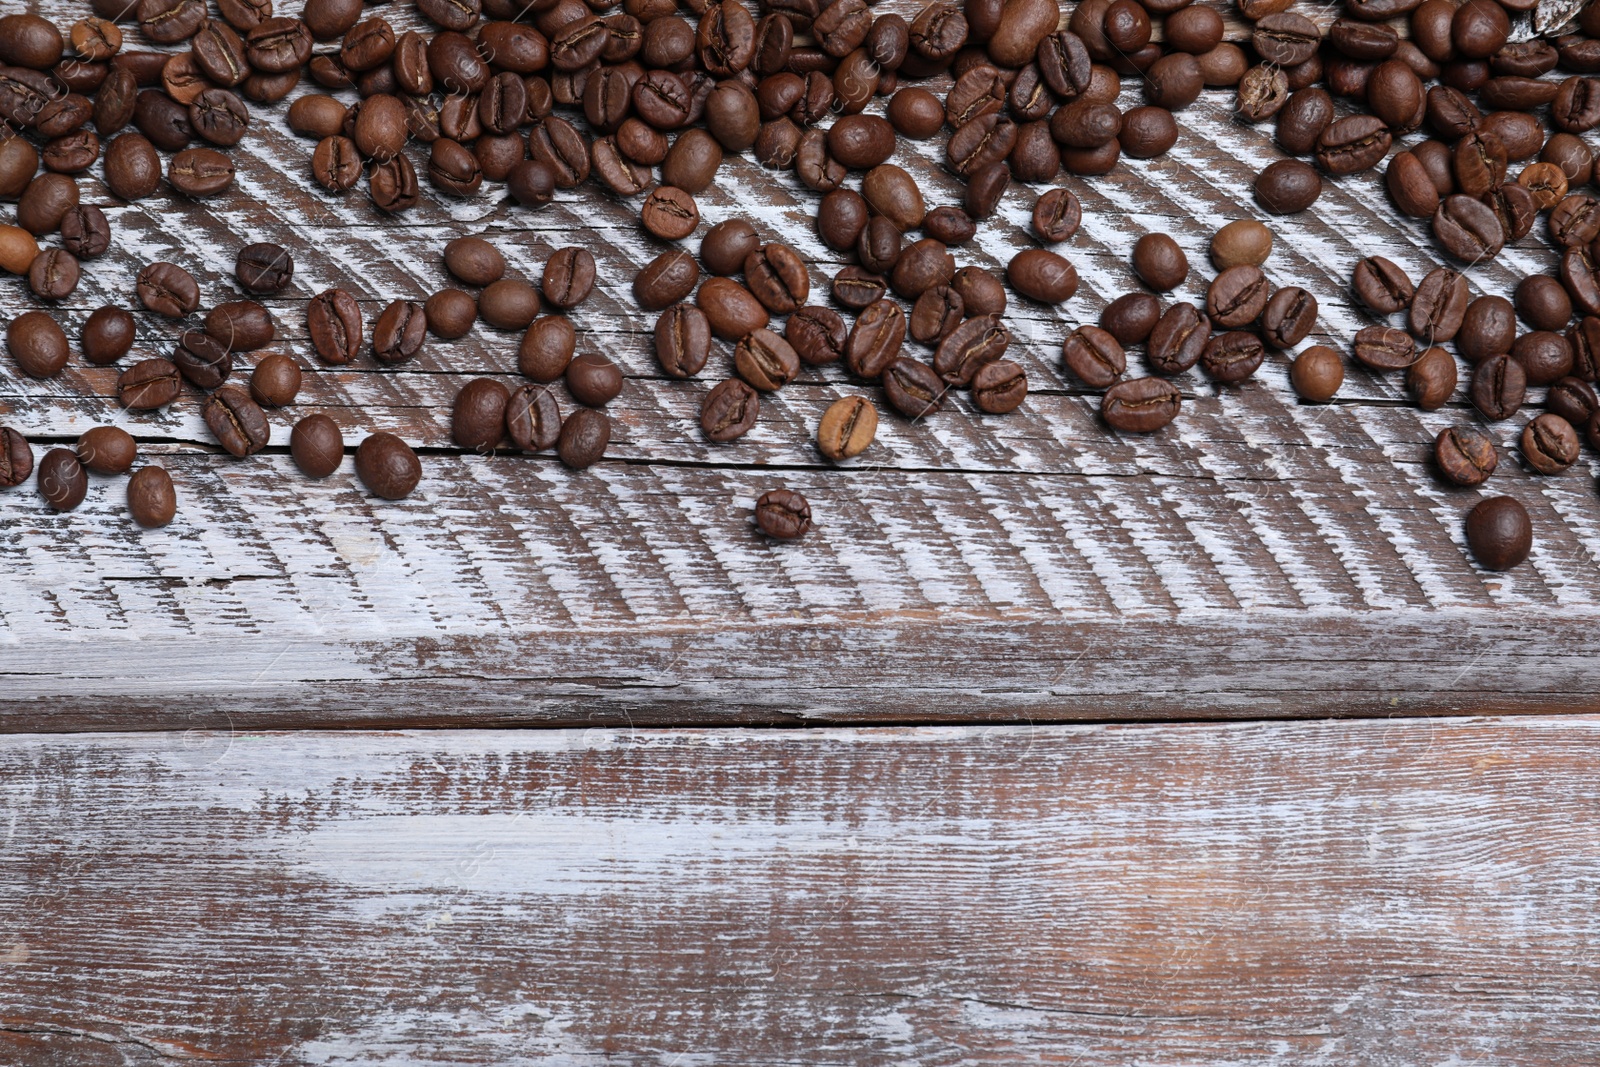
[1382, 893]
[1294, 551]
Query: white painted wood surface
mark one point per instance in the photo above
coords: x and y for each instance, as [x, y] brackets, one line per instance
[1378, 893]
[1297, 550]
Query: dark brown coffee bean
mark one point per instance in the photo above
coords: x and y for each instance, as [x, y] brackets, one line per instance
[1094, 356]
[393, 186]
[981, 339]
[1261, 93]
[665, 280]
[107, 335]
[1573, 399]
[547, 348]
[46, 202]
[276, 381]
[981, 292]
[855, 287]
[264, 268]
[333, 319]
[1382, 286]
[453, 168]
[1289, 316]
[1498, 387]
[1467, 229]
[85, 232]
[317, 446]
[1302, 119]
[1159, 262]
[876, 338]
[1042, 275]
[478, 416]
[1354, 143]
[1140, 405]
[915, 113]
[202, 360]
[200, 172]
[1550, 444]
[37, 344]
[240, 325]
[53, 275]
[1545, 356]
[1575, 221]
[62, 481]
[776, 276]
[107, 450]
[1410, 186]
[1237, 297]
[533, 419]
[1057, 215]
[999, 387]
[1233, 356]
[1499, 531]
[1178, 339]
[1487, 329]
[817, 334]
[1384, 348]
[508, 304]
[1439, 306]
[168, 289]
[729, 410]
[847, 428]
[16, 458]
[1287, 186]
[569, 276]
[1131, 317]
[387, 466]
[937, 312]
[148, 384]
[726, 245]
[1543, 303]
[1317, 373]
[912, 387]
[1464, 455]
[1431, 380]
[451, 313]
[782, 513]
[669, 213]
[766, 361]
[594, 380]
[474, 260]
[399, 332]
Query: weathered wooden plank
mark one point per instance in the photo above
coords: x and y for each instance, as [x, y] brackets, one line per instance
[1262, 894]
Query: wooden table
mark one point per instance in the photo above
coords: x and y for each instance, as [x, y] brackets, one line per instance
[240, 885]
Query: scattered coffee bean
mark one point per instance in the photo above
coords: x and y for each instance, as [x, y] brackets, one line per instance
[387, 466]
[1549, 443]
[1140, 405]
[593, 379]
[1431, 380]
[584, 437]
[569, 277]
[847, 428]
[62, 481]
[317, 446]
[1242, 243]
[16, 458]
[37, 344]
[783, 514]
[1464, 455]
[264, 268]
[107, 450]
[276, 381]
[1317, 373]
[152, 501]
[1159, 262]
[450, 313]
[1499, 531]
[533, 419]
[168, 289]
[1498, 387]
[333, 319]
[400, 330]
[237, 421]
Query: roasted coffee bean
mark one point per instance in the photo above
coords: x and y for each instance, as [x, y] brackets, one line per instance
[1148, 132]
[477, 262]
[1498, 387]
[62, 481]
[333, 319]
[478, 416]
[37, 344]
[1159, 262]
[1549, 444]
[1431, 380]
[107, 450]
[981, 339]
[336, 164]
[532, 418]
[53, 275]
[817, 334]
[847, 428]
[569, 277]
[1487, 329]
[1131, 317]
[855, 287]
[876, 338]
[665, 280]
[730, 309]
[71, 153]
[981, 292]
[1467, 229]
[916, 113]
[1580, 277]
[782, 513]
[949, 226]
[204, 361]
[1288, 186]
[1542, 303]
[1573, 399]
[999, 387]
[1237, 297]
[1302, 119]
[1290, 314]
[1514, 209]
[1382, 286]
[387, 466]
[594, 380]
[264, 268]
[1140, 405]
[776, 276]
[168, 289]
[1233, 356]
[912, 388]
[879, 245]
[766, 361]
[1439, 306]
[200, 172]
[453, 168]
[1094, 356]
[317, 446]
[16, 458]
[220, 117]
[46, 202]
[451, 313]
[892, 192]
[1057, 215]
[1410, 186]
[1545, 356]
[1351, 144]
[107, 335]
[1464, 455]
[935, 314]
[1317, 373]
[399, 332]
[508, 304]
[85, 232]
[726, 245]
[692, 161]
[239, 326]
[1584, 339]
[729, 410]
[393, 186]
[1575, 221]
[547, 348]
[1042, 275]
[276, 381]
[1178, 339]
[148, 384]
[1244, 241]
[1499, 532]
[670, 214]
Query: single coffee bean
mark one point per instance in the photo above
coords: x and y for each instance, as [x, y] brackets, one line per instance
[387, 466]
[912, 388]
[200, 172]
[533, 419]
[478, 416]
[783, 513]
[1131, 317]
[817, 334]
[879, 246]
[569, 277]
[1159, 262]
[980, 340]
[53, 274]
[1232, 357]
[981, 292]
[1042, 275]
[1550, 444]
[333, 319]
[1431, 380]
[1237, 297]
[776, 276]
[730, 309]
[1410, 186]
[85, 232]
[508, 304]
[1094, 356]
[683, 339]
[46, 202]
[152, 501]
[276, 381]
[1057, 215]
[729, 410]
[399, 332]
[1465, 456]
[1140, 405]
[18, 249]
[1542, 303]
[107, 450]
[1290, 314]
[1244, 242]
[1572, 399]
[202, 360]
[1288, 186]
[593, 379]
[937, 312]
[1302, 118]
[1488, 328]
[670, 214]
[1382, 286]
[876, 338]
[1499, 531]
[949, 225]
[665, 280]
[1439, 306]
[728, 244]
[892, 192]
[999, 387]
[240, 325]
[62, 481]
[148, 384]
[1384, 348]
[847, 428]
[532, 182]
[547, 348]
[1317, 373]
[264, 268]
[16, 458]
[450, 313]
[107, 335]
[237, 422]
[168, 289]
[1498, 387]
[1178, 340]
[1584, 340]
[317, 446]
[1545, 356]
[766, 361]
[1468, 229]
[856, 287]
[474, 260]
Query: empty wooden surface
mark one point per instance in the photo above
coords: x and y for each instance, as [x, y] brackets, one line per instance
[1378, 893]
[1260, 556]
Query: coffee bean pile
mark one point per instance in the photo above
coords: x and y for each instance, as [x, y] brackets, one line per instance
[488, 94]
